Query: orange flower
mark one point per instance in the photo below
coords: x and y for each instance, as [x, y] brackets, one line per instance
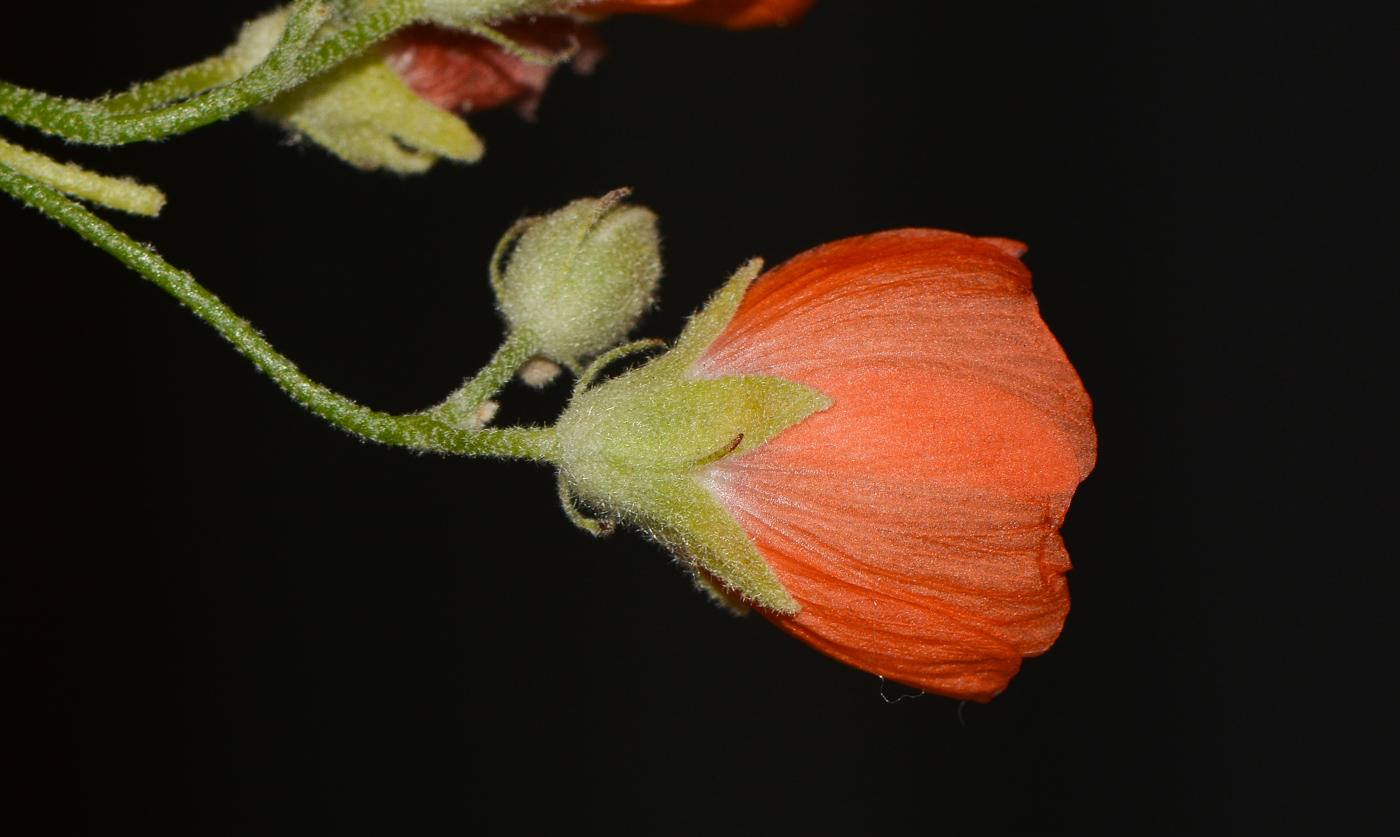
[731, 14]
[915, 521]
[458, 71]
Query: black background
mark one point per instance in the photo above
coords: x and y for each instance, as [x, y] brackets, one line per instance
[219, 615]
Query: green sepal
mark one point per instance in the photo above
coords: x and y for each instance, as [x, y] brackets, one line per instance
[635, 448]
[702, 532]
[706, 325]
[116, 192]
[362, 112]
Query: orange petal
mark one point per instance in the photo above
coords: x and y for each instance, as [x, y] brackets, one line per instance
[915, 520]
[458, 71]
[730, 14]
[924, 299]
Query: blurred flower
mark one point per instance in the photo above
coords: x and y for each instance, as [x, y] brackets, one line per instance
[360, 110]
[911, 518]
[731, 14]
[396, 106]
[459, 71]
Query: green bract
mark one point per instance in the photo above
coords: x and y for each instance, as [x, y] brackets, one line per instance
[633, 448]
[362, 112]
[579, 279]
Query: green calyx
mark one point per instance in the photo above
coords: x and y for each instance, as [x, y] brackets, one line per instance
[635, 447]
[362, 112]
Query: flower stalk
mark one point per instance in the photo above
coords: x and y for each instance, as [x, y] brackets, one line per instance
[443, 429]
[92, 122]
[218, 88]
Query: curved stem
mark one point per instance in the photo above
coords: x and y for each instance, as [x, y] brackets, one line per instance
[424, 431]
[91, 122]
[296, 58]
[177, 84]
[468, 406]
[115, 192]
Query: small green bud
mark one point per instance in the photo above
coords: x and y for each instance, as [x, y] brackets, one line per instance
[579, 279]
[633, 449]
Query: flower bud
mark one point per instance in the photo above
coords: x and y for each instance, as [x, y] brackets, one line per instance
[580, 278]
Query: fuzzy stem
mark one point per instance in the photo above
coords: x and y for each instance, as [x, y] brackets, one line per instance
[175, 85]
[116, 192]
[424, 431]
[92, 122]
[297, 57]
[463, 407]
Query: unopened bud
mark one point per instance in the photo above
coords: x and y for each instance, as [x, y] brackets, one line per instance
[580, 278]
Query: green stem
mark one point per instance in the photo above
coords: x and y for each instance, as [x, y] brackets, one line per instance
[424, 431]
[91, 122]
[463, 408]
[296, 58]
[177, 84]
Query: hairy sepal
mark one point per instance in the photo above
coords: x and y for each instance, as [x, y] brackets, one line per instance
[635, 448]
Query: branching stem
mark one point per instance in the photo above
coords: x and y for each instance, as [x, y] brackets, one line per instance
[209, 91]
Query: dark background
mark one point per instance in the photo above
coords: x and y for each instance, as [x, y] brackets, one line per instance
[219, 615]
